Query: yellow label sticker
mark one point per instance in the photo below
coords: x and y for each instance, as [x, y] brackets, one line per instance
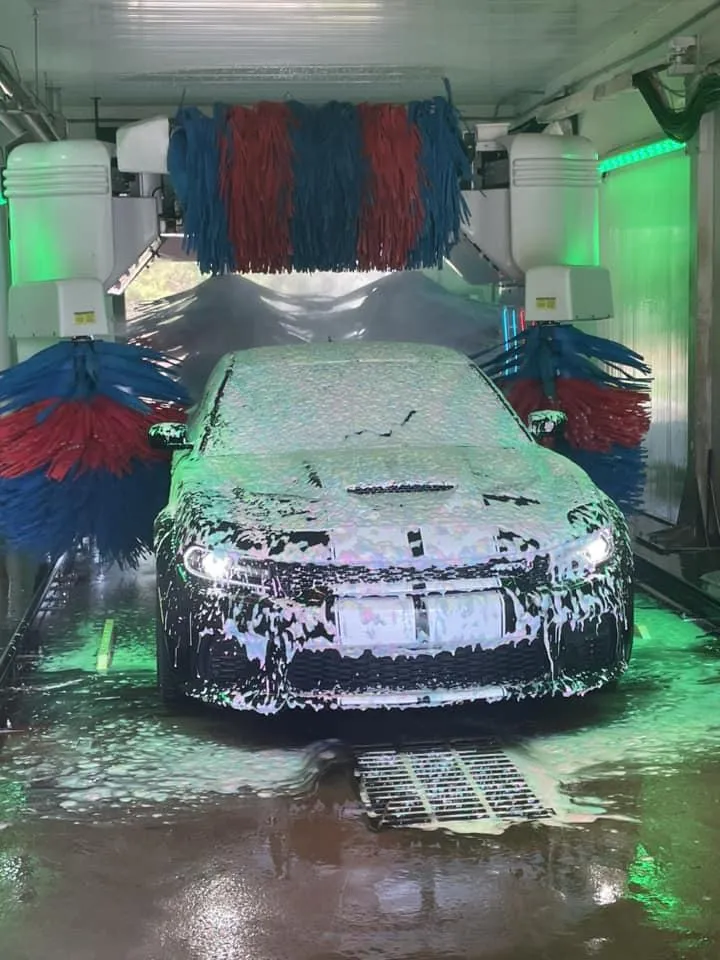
[84, 318]
[546, 303]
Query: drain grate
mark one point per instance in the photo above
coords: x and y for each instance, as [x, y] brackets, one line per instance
[436, 784]
[48, 597]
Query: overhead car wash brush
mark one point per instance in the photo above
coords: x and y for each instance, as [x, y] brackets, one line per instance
[339, 186]
[75, 461]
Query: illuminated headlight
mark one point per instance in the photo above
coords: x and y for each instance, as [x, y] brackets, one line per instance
[224, 567]
[583, 557]
[598, 548]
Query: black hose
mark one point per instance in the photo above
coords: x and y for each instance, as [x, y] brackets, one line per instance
[680, 125]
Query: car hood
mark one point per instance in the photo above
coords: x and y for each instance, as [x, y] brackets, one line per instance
[441, 505]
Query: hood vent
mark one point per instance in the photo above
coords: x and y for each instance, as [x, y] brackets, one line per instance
[401, 488]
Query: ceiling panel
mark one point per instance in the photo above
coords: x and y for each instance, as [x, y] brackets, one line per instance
[135, 52]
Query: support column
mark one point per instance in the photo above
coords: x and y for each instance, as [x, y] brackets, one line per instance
[702, 487]
[118, 315]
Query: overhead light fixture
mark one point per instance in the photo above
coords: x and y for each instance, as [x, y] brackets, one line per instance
[175, 7]
[651, 150]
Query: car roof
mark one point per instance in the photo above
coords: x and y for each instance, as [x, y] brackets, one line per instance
[369, 352]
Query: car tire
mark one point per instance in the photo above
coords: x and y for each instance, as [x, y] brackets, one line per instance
[166, 680]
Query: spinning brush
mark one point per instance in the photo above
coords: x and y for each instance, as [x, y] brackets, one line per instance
[75, 461]
[601, 386]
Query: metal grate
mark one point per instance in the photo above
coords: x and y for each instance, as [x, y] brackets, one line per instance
[436, 784]
[48, 597]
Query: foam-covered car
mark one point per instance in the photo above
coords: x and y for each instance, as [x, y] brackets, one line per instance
[370, 525]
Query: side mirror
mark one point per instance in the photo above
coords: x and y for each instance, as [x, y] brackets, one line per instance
[168, 436]
[546, 423]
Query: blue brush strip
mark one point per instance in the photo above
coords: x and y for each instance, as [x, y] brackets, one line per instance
[620, 473]
[547, 351]
[42, 517]
[329, 176]
[443, 164]
[194, 165]
[74, 370]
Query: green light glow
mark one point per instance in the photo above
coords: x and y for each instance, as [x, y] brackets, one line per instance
[12, 799]
[646, 240]
[647, 884]
[658, 149]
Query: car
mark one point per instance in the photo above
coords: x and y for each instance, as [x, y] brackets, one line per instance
[367, 525]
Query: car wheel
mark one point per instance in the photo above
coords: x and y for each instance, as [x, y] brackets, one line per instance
[167, 683]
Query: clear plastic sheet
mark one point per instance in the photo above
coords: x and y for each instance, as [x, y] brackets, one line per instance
[230, 313]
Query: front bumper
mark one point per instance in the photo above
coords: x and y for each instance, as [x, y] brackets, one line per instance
[581, 638]
[576, 662]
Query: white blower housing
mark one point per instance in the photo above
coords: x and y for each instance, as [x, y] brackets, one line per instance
[537, 222]
[71, 241]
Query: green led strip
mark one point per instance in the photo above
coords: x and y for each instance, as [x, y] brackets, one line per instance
[658, 149]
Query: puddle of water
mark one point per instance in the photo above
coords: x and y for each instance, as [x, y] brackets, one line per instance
[100, 745]
[664, 713]
[148, 771]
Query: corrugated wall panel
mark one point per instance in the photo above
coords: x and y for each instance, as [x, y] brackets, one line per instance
[645, 242]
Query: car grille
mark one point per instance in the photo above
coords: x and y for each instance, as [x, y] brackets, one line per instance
[299, 581]
[226, 664]
[471, 666]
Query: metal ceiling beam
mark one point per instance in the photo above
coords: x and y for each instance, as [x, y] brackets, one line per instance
[641, 48]
[27, 110]
[575, 103]
[12, 126]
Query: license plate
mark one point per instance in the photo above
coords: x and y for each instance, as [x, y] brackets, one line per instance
[377, 622]
[466, 619]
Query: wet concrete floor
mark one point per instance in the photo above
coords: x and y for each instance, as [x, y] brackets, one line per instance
[130, 832]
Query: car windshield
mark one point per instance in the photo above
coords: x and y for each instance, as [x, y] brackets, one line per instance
[268, 408]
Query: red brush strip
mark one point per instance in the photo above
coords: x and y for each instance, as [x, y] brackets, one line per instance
[598, 417]
[256, 180]
[95, 435]
[392, 213]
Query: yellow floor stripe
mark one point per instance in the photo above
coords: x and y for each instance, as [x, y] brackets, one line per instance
[105, 650]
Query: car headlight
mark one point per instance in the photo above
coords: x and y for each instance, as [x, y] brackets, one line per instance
[583, 557]
[227, 568]
[599, 548]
